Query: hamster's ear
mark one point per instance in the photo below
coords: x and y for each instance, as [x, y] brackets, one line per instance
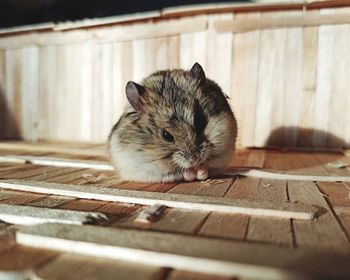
[134, 94]
[198, 74]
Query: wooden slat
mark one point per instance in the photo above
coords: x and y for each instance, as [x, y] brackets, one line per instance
[27, 215]
[308, 81]
[104, 35]
[338, 197]
[276, 231]
[182, 252]
[23, 258]
[51, 161]
[204, 203]
[46, 147]
[72, 267]
[245, 81]
[307, 20]
[323, 233]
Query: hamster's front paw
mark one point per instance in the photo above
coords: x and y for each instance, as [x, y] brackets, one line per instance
[189, 174]
[200, 173]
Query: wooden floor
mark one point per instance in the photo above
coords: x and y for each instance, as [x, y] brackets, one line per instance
[320, 240]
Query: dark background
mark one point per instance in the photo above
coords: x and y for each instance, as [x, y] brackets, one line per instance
[22, 12]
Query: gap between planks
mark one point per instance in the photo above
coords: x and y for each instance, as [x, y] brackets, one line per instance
[203, 203]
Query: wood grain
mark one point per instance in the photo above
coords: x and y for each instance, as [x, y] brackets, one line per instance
[203, 203]
[182, 252]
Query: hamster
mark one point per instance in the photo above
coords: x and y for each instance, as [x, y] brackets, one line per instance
[177, 126]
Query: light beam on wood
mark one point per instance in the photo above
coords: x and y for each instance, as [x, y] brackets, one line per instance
[205, 255]
[251, 24]
[27, 215]
[203, 203]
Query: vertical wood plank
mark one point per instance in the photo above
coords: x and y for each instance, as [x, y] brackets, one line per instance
[86, 92]
[245, 67]
[323, 85]
[219, 54]
[322, 233]
[122, 73]
[3, 101]
[193, 48]
[13, 93]
[30, 93]
[308, 82]
[173, 52]
[340, 87]
[96, 87]
[292, 84]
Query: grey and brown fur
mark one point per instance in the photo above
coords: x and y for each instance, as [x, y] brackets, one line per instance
[187, 105]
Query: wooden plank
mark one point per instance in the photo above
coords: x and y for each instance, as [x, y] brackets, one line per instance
[338, 197]
[326, 50]
[271, 86]
[307, 20]
[323, 233]
[50, 201]
[186, 275]
[339, 83]
[173, 52]
[204, 203]
[27, 215]
[23, 198]
[67, 25]
[308, 82]
[193, 47]
[51, 161]
[30, 93]
[3, 105]
[245, 81]
[182, 252]
[289, 177]
[26, 28]
[219, 52]
[23, 258]
[275, 231]
[72, 267]
[107, 34]
[45, 147]
[230, 7]
[334, 163]
[13, 60]
[292, 91]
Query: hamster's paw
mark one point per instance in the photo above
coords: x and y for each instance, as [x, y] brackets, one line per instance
[189, 175]
[202, 173]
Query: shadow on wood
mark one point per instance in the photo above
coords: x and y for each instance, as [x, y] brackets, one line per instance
[292, 136]
[8, 126]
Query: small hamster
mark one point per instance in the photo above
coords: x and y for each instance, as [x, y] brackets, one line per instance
[177, 126]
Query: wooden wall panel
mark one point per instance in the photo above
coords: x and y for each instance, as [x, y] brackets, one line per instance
[288, 86]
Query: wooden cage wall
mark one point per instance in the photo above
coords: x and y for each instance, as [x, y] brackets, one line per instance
[287, 72]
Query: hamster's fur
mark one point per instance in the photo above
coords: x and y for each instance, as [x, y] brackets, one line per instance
[178, 125]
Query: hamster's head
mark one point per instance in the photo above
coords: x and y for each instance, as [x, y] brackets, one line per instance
[183, 119]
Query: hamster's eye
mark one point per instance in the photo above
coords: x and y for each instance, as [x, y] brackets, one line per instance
[167, 136]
